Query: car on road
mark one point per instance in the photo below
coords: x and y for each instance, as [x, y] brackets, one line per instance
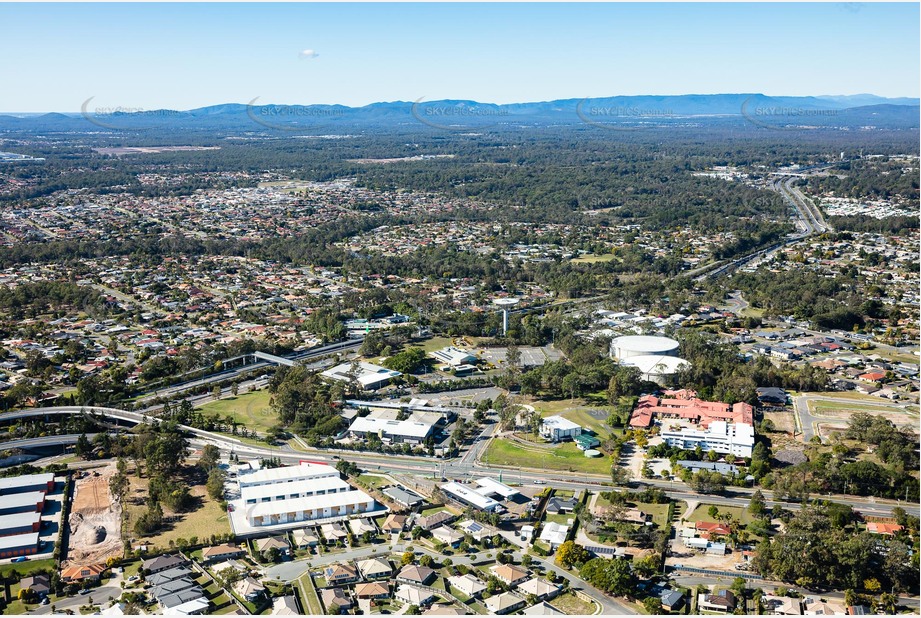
[678, 566]
[19, 559]
[85, 591]
[540, 482]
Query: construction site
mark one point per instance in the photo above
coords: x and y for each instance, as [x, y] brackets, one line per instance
[95, 520]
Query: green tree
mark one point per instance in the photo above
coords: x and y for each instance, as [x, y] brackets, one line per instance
[570, 554]
[652, 605]
[210, 456]
[83, 448]
[756, 505]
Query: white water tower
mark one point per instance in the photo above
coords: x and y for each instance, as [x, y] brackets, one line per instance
[505, 304]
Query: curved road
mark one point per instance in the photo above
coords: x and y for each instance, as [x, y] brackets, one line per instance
[461, 468]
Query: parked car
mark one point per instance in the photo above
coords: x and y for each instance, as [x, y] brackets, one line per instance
[20, 559]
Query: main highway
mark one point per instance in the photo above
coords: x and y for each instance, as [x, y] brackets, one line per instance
[810, 221]
[464, 467]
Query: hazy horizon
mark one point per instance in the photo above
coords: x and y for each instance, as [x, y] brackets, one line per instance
[187, 56]
[287, 103]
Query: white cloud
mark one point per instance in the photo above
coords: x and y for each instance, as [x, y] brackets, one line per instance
[308, 54]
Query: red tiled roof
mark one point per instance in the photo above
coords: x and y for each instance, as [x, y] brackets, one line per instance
[712, 527]
[880, 528]
[695, 410]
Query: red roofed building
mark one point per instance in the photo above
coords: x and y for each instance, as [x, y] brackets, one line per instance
[708, 528]
[879, 528]
[694, 410]
[873, 376]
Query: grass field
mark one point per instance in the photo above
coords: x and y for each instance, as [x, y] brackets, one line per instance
[374, 481]
[26, 567]
[204, 521]
[591, 258]
[250, 409]
[310, 602]
[564, 458]
[738, 512]
[659, 512]
[576, 411]
[432, 510]
[573, 605]
[435, 343]
[829, 406]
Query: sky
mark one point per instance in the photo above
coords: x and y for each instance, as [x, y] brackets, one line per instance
[183, 56]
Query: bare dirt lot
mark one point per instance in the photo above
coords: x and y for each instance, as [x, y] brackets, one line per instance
[95, 520]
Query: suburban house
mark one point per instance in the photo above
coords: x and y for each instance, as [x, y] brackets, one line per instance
[305, 537]
[87, 573]
[554, 534]
[634, 516]
[414, 574]
[723, 601]
[430, 522]
[375, 568]
[542, 609]
[414, 595]
[477, 530]
[509, 574]
[884, 529]
[709, 528]
[504, 603]
[556, 505]
[781, 606]
[823, 608]
[448, 536]
[540, 588]
[221, 552]
[394, 524]
[672, 600]
[771, 397]
[274, 542]
[372, 590]
[361, 525]
[335, 600]
[161, 563]
[467, 584]
[284, 606]
[38, 584]
[163, 577]
[249, 589]
[338, 574]
[334, 531]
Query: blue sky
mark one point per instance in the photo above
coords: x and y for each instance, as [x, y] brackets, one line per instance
[180, 56]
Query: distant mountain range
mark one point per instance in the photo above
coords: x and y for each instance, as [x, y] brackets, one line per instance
[842, 110]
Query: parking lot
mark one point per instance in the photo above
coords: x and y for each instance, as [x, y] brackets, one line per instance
[530, 356]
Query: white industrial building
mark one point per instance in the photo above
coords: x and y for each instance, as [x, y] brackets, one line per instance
[491, 487]
[286, 497]
[730, 438]
[286, 474]
[468, 496]
[392, 431]
[454, 357]
[642, 345]
[366, 375]
[557, 428]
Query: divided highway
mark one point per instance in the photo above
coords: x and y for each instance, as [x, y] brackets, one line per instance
[458, 468]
